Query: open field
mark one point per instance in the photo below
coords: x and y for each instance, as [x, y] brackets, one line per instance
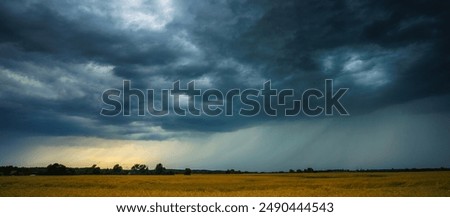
[303, 184]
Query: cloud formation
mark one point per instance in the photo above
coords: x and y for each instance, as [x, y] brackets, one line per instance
[57, 57]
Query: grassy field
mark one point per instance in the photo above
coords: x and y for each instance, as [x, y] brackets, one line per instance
[313, 184]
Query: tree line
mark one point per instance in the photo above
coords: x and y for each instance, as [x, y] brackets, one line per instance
[60, 169]
[159, 169]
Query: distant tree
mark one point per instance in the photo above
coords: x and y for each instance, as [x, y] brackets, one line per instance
[95, 169]
[56, 169]
[139, 169]
[187, 171]
[299, 171]
[291, 171]
[7, 170]
[135, 167]
[231, 171]
[309, 170]
[117, 169]
[143, 169]
[159, 169]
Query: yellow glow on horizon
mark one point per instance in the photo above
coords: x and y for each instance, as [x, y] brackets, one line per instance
[84, 152]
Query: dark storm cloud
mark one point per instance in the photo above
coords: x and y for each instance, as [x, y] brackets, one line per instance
[56, 58]
[404, 41]
[49, 29]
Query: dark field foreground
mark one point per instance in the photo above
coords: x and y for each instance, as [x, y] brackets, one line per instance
[304, 185]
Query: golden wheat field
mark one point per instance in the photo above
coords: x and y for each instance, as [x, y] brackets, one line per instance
[314, 184]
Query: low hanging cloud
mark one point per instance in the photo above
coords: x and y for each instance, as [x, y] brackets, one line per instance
[389, 138]
[57, 58]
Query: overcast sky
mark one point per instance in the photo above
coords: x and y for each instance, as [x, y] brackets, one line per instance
[57, 58]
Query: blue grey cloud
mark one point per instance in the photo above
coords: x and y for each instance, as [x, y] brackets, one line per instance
[57, 57]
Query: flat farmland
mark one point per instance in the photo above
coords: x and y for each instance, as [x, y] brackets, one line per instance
[242, 185]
